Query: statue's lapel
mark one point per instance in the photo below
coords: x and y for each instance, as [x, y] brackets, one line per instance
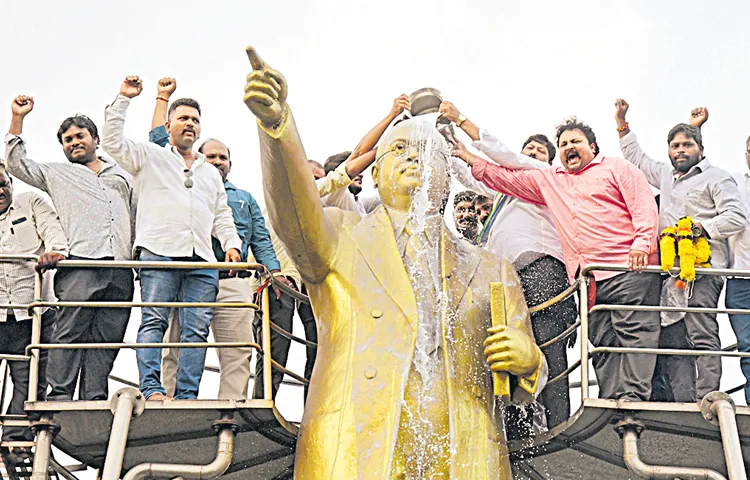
[459, 266]
[376, 242]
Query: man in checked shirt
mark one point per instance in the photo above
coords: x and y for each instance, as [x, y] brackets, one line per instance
[94, 200]
[28, 226]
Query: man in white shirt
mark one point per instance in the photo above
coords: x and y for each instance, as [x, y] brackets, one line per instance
[525, 234]
[738, 289]
[181, 202]
[28, 226]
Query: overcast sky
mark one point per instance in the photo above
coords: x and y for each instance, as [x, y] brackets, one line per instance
[515, 68]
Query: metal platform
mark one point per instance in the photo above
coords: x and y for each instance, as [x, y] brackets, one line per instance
[587, 446]
[179, 431]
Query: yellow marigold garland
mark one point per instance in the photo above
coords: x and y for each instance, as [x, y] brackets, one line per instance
[693, 251]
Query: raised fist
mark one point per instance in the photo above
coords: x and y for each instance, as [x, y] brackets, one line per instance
[22, 105]
[449, 111]
[401, 103]
[698, 116]
[166, 87]
[131, 86]
[621, 109]
[265, 91]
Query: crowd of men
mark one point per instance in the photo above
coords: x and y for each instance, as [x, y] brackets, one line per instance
[166, 201]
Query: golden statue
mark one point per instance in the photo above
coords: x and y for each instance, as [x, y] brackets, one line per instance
[402, 386]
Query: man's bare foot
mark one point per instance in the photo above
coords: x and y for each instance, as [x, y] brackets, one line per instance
[159, 397]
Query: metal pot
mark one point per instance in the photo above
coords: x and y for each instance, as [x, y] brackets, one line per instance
[425, 100]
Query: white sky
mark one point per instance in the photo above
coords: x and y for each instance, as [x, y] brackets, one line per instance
[515, 68]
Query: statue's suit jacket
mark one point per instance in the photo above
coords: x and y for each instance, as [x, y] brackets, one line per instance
[367, 324]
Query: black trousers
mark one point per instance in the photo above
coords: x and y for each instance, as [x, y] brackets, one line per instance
[282, 314]
[541, 280]
[311, 335]
[15, 336]
[626, 376]
[88, 325]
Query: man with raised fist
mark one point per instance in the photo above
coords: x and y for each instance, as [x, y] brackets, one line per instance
[93, 198]
[181, 202]
[690, 186]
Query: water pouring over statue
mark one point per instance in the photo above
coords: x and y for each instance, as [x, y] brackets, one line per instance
[403, 381]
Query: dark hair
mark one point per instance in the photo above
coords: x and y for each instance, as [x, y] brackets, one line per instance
[80, 121]
[465, 196]
[200, 149]
[481, 198]
[689, 131]
[540, 138]
[573, 123]
[315, 163]
[183, 102]
[334, 161]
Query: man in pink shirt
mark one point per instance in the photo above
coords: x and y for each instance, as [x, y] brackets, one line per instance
[604, 212]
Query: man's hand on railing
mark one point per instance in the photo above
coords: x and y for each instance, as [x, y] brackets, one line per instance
[232, 255]
[637, 260]
[48, 261]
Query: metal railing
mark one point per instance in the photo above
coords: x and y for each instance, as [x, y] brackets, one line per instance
[36, 306]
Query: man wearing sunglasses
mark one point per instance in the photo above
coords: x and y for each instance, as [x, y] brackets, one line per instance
[181, 202]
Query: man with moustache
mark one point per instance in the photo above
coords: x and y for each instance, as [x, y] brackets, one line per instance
[464, 216]
[604, 212]
[690, 186]
[182, 202]
[525, 234]
[94, 200]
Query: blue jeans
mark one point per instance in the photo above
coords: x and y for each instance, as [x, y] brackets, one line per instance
[161, 285]
[738, 296]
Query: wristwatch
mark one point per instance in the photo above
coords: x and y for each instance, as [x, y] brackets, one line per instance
[461, 119]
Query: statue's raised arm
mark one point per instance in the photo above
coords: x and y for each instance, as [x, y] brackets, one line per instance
[292, 198]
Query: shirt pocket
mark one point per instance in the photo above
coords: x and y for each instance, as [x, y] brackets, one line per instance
[241, 216]
[24, 237]
[699, 204]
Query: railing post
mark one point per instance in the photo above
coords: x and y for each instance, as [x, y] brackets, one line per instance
[266, 332]
[36, 335]
[584, 339]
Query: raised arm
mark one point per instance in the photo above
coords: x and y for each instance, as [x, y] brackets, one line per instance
[130, 155]
[292, 197]
[498, 152]
[164, 89]
[632, 152]
[462, 172]
[372, 137]
[524, 184]
[16, 161]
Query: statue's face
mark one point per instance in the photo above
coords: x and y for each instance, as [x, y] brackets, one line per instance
[411, 156]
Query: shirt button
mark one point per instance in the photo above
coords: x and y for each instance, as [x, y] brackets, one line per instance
[370, 373]
[376, 313]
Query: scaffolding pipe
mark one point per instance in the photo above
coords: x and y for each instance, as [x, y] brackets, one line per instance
[126, 404]
[722, 408]
[44, 429]
[266, 341]
[630, 430]
[227, 428]
[36, 335]
[584, 306]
